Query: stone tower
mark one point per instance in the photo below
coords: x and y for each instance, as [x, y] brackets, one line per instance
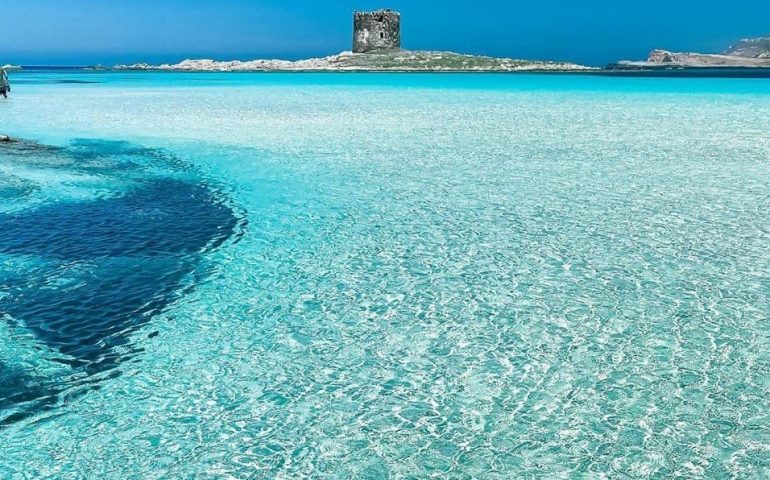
[380, 30]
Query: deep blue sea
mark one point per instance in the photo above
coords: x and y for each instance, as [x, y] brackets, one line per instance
[371, 276]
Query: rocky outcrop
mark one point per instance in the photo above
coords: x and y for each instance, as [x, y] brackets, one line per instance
[751, 52]
[384, 61]
[751, 48]
[705, 60]
[661, 56]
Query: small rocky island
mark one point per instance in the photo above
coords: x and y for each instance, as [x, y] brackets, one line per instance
[747, 53]
[380, 61]
[376, 48]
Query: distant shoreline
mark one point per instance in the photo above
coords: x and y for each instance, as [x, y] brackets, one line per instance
[647, 72]
[749, 58]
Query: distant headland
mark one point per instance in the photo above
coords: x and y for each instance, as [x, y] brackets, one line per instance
[747, 53]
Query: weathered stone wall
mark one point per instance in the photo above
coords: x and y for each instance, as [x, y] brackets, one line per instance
[380, 30]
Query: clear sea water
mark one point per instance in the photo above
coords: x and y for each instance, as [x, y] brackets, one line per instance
[384, 276]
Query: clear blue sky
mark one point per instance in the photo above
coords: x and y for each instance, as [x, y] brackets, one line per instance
[589, 31]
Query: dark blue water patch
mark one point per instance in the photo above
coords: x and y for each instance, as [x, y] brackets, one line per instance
[18, 387]
[18, 78]
[23, 395]
[99, 307]
[102, 268]
[161, 217]
[74, 82]
[101, 157]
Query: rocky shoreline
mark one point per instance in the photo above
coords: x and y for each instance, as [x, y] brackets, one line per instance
[385, 61]
[747, 53]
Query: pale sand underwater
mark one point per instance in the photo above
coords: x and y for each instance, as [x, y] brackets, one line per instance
[373, 276]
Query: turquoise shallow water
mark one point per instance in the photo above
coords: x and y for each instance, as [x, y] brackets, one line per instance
[384, 276]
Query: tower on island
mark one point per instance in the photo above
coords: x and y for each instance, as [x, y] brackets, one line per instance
[380, 30]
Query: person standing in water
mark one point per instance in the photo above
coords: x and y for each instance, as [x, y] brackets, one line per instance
[5, 85]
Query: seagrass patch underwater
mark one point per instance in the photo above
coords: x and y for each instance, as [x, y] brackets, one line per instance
[95, 238]
[384, 276]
